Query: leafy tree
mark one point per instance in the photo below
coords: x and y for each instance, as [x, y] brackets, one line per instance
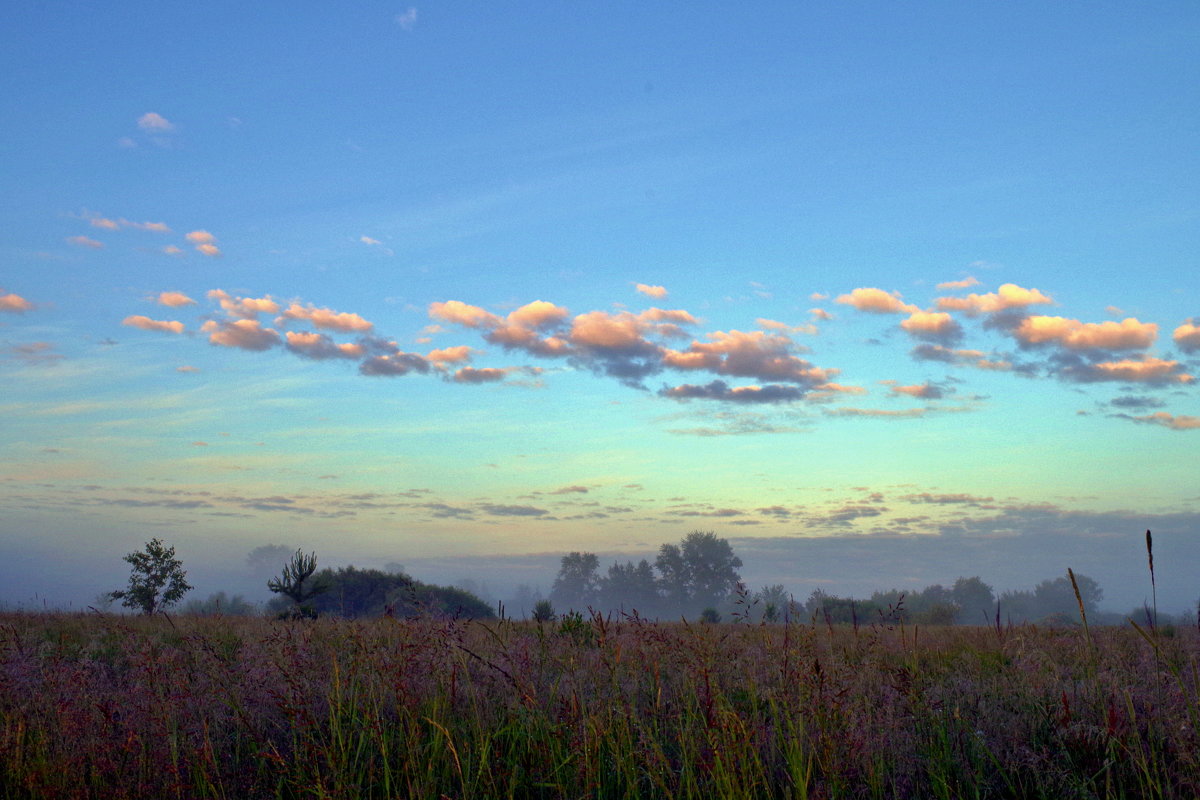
[630, 586]
[975, 600]
[776, 602]
[156, 580]
[577, 582]
[297, 582]
[701, 571]
[1058, 597]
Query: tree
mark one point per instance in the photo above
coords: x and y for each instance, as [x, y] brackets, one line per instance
[975, 599]
[156, 579]
[630, 586]
[291, 582]
[577, 581]
[1058, 596]
[700, 572]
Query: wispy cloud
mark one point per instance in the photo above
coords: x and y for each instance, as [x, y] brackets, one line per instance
[1180, 422]
[407, 19]
[965, 283]
[84, 241]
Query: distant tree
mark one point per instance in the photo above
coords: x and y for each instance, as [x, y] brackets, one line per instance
[712, 566]
[701, 571]
[775, 601]
[975, 600]
[630, 587]
[353, 592]
[1058, 596]
[577, 583]
[1017, 606]
[265, 559]
[156, 580]
[220, 603]
[297, 583]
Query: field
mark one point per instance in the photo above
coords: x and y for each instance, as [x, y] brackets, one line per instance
[188, 707]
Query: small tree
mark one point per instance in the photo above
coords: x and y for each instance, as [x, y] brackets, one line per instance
[156, 579]
[291, 582]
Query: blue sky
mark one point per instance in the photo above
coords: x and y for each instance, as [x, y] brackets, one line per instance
[883, 294]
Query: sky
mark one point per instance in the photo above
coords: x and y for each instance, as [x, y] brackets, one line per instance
[884, 294]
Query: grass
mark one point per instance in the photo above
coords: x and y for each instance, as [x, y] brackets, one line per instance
[207, 707]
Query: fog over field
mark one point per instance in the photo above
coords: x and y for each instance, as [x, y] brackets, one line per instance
[884, 296]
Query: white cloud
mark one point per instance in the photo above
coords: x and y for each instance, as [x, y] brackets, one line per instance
[155, 123]
[407, 19]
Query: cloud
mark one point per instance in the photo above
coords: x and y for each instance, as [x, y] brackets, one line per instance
[875, 412]
[394, 365]
[463, 314]
[965, 283]
[450, 355]
[820, 314]
[657, 292]
[1129, 334]
[174, 299]
[754, 354]
[968, 358]
[35, 353]
[246, 334]
[187, 368]
[172, 250]
[244, 307]
[1187, 336]
[1131, 401]
[369, 240]
[877, 301]
[1008, 296]
[115, 224]
[499, 510]
[210, 250]
[319, 347]
[949, 499]
[933, 326]
[1181, 422]
[783, 327]
[719, 390]
[326, 319]
[154, 123]
[571, 490]
[147, 324]
[1142, 369]
[200, 237]
[484, 375]
[83, 241]
[407, 19]
[14, 303]
[925, 391]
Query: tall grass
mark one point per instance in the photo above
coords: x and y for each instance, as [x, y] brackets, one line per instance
[107, 706]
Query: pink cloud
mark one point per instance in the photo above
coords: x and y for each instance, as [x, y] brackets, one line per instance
[326, 319]
[83, 241]
[485, 375]
[924, 391]
[1006, 297]
[210, 250]
[174, 299]
[1129, 334]
[719, 390]
[965, 283]
[200, 237]
[1181, 422]
[147, 324]
[936, 326]
[14, 303]
[1187, 336]
[657, 292]
[1134, 370]
[318, 346]
[246, 307]
[450, 355]
[538, 314]
[876, 301]
[460, 313]
[246, 334]
[752, 354]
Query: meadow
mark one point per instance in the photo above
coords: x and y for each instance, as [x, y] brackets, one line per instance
[112, 706]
